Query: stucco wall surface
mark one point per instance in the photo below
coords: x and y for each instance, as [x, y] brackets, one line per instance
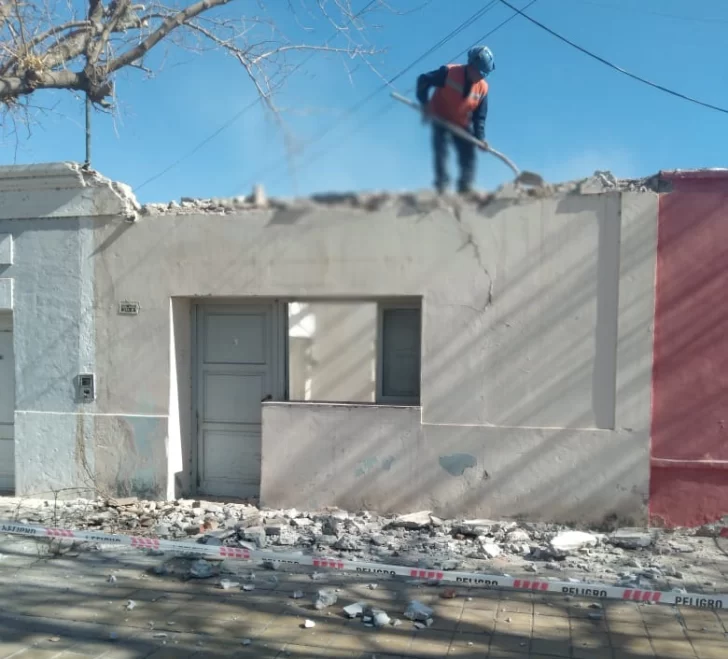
[524, 354]
[49, 214]
[536, 347]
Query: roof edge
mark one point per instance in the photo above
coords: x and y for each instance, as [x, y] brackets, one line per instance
[712, 174]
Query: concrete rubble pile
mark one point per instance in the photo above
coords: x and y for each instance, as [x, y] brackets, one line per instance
[599, 182]
[628, 557]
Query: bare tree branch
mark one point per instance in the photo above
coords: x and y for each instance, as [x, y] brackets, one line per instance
[172, 23]
[81, 47]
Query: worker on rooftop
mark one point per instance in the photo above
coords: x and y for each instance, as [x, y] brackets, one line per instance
[461, 97]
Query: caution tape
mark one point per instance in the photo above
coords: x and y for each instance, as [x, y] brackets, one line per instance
[490, 581]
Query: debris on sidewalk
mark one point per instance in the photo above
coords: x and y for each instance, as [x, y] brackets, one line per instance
[418, 612]
[201, 569]
[570, 541]
[354, 610]
[324, 599]
[648, 557]
[308, 624]
[226, 584]
[632, 538]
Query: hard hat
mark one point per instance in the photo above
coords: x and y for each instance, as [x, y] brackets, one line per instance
[482, 59]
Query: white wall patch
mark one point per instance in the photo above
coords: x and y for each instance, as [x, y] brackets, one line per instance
[6, 294]
[6, 249]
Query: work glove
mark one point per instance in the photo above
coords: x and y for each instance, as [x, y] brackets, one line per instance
[483, 146]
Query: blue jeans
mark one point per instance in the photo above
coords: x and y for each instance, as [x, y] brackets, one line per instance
[466, 159]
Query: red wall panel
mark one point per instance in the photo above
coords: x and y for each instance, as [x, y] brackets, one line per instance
[689, 451]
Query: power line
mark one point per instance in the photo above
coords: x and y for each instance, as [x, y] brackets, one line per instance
[619, 8]
[361, 103]
[672, 92]
[248, 107]
[389, 104]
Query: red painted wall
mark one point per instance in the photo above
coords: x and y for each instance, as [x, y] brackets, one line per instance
[689, 452]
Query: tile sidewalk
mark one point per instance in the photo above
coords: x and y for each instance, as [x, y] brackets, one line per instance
[65, 608]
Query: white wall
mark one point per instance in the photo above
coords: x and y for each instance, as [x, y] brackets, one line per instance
[536, 347]
[61, 443]
[332, 354]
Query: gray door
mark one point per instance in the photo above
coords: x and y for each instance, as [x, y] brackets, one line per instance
[7, 405]
[239, 364]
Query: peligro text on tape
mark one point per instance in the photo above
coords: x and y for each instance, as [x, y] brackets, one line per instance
[491, 581]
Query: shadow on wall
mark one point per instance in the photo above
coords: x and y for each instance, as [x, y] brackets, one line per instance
[576, 467]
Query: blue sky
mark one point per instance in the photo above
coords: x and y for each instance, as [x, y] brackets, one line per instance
[552, 109]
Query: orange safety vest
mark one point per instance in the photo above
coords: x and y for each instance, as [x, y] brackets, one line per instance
[448, 102]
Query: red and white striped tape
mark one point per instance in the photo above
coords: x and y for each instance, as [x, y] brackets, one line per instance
[492, 581]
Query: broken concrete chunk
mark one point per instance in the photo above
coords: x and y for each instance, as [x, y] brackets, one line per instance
[518, 536]
[124, 502]
[474, 527]
[347, 542]
[490, 549]
[201, 569]
[287, 537]
[226, 584]
[308, 624]
[324, 598]
[275, 526]
[632, 538]
[255, 534]
[570, 541]
[380, 618]
[418, 520]
[417, 611]
[297, 594]
[681, 548]
[302, 522]
[354, 610]
[436, 521]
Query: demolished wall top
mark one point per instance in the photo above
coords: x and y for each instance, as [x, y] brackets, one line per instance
[63, 189]
[600, 182]
[102, 196]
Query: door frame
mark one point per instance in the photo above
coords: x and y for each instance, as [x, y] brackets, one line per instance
[279, 374]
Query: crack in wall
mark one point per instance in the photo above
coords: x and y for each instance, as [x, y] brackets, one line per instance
[470, 241]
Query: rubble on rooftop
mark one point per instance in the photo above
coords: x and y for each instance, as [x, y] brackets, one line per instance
[599, 182]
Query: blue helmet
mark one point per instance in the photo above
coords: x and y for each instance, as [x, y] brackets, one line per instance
[482, 59]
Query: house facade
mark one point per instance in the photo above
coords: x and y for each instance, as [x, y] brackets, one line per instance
[554, 357]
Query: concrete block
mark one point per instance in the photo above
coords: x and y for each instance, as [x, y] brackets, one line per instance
[6, 294]
[6, 249]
